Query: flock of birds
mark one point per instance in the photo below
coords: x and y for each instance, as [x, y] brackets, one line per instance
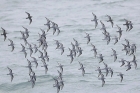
[76, 51]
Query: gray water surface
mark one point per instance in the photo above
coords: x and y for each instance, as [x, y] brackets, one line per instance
[74, 19]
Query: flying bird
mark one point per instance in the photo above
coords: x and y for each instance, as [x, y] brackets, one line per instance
[95, 20]
[121, 76]
[110, 20]
[29, 17]
[12, 44]
[120, 32]
[127, 24]
[4, 33]
[10, 73]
